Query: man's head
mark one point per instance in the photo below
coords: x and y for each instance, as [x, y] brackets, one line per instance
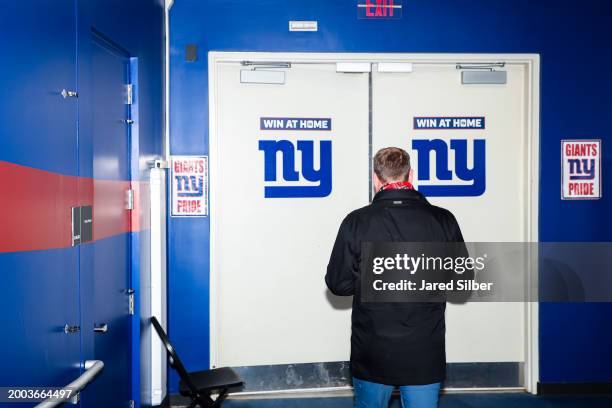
[391, 164]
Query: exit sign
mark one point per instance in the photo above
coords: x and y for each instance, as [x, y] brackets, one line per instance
[379, 9]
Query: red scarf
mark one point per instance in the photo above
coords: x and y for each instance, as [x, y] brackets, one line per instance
[398, 185]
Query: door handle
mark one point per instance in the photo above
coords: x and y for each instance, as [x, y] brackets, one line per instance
[71, 329]
[101, 328]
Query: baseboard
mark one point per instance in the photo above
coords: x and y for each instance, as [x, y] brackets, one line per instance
[287, 377]
[574, 388]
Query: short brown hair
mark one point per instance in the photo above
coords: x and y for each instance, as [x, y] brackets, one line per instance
[392, 164]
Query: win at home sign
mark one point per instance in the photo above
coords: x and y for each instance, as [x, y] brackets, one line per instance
[460, 163]
[189, 177]
[311, 179]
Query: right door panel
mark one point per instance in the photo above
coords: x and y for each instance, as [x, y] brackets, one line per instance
[477, 170]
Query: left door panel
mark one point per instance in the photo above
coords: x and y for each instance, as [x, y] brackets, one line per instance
[38, 187]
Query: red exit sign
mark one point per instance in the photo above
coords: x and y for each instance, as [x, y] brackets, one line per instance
[381, 9]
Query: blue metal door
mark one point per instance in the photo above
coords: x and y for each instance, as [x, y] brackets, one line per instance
[108, 265]
[38, 266]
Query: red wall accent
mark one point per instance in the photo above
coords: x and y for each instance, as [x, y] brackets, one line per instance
[35, 207]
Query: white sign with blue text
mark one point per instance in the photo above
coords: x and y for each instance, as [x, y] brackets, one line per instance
[317, 176]
[444, 182]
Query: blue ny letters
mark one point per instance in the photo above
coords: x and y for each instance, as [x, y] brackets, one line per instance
[581, 169]
[289, 173]
[190, 186]
[476, 174]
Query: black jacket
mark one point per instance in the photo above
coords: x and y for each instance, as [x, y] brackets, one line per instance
[392, 343]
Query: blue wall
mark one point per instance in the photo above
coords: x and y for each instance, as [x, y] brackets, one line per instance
[45, 46]
[573, 38]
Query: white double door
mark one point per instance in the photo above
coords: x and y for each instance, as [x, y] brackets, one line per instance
[289, 160]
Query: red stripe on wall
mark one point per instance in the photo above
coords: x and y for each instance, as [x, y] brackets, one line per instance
[35, 207]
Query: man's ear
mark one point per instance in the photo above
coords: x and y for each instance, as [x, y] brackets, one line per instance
[410, 176]
[376, 183]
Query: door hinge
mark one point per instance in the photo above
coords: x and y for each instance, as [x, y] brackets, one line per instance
[132, 403]
[129, 94]
[129, 199]
[131, 293]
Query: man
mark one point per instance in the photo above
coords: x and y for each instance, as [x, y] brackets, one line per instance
[392, 344]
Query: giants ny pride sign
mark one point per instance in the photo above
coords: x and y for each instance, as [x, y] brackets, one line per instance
[580, 169]
[189, 178]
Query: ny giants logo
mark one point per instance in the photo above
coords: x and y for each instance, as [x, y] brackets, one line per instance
[476, 175]
[189, 186]
[581, 168]
[322, 175]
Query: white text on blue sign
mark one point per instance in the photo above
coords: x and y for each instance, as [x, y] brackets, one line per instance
[295, 124]
[436, 122]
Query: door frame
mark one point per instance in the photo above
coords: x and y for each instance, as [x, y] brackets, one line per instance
[532, 65]
[136, 243]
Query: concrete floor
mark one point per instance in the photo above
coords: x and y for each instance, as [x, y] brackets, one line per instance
[458, 400]
[501, 400]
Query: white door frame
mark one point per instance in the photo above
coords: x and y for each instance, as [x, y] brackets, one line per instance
[532, 64]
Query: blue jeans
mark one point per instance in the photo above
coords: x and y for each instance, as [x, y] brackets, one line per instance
[374, 395]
